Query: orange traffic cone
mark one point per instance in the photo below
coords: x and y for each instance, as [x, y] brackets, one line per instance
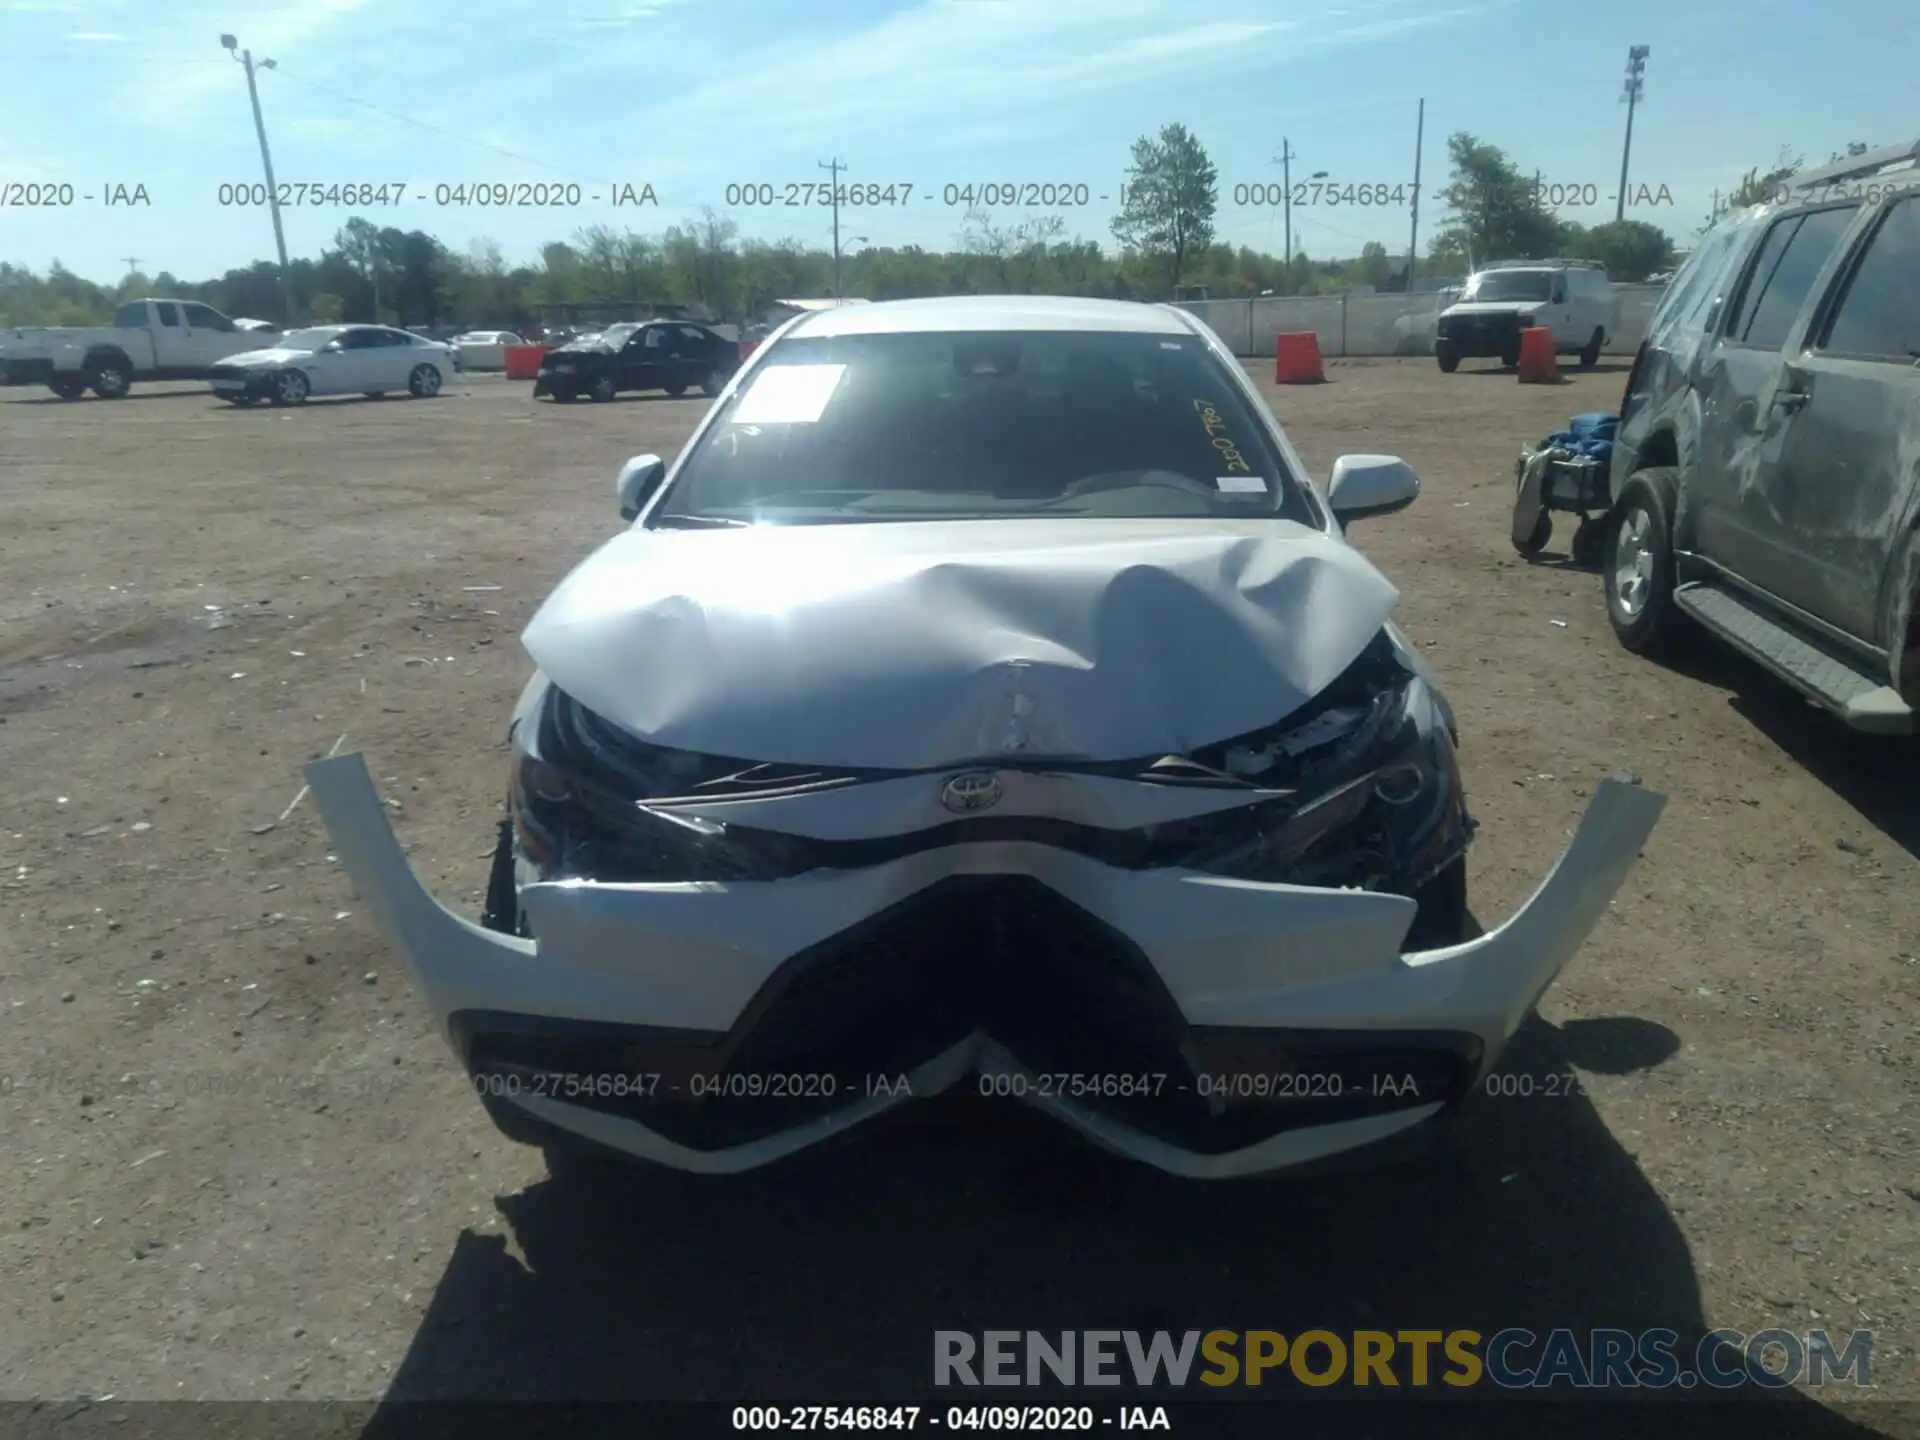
[1296, 359]
[1538, 363]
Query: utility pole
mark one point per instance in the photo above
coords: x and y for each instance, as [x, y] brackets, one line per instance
[245, 57]
[132, 263]
[1413, 240]
[1286, 209]
[1636, 70]
[834, 167]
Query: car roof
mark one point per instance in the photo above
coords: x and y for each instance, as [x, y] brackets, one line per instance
[994, 312]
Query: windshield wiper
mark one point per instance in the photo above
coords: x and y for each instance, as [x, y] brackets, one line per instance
[699, 522]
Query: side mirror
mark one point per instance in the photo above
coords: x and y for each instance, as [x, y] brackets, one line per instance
[1370, 485]
[639, 478]
[332, 347]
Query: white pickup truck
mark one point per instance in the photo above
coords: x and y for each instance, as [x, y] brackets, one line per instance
[148, 340]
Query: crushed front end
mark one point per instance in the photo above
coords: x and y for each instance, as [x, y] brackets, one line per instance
[1220, 963]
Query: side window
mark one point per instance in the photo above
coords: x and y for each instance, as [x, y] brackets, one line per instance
[205, 317]
[1781, 293]
[131, 317]
[1759, 273]
[1879, 314]
[1702, 282]
[168, 312]
[395, 337]
[654, 337]
[359, 339]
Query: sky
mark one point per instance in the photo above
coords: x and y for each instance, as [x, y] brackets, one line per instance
[693, 96]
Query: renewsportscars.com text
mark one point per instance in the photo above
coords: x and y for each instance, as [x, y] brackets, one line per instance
[1513, 1359]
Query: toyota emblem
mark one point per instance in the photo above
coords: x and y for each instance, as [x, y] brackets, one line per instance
[971, 792]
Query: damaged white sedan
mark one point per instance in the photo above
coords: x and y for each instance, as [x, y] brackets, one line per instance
[984, 698]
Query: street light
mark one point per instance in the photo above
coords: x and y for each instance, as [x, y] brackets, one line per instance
[245, 58]
[1285, 160]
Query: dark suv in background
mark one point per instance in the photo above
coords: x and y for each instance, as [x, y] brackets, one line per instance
[1767, 469]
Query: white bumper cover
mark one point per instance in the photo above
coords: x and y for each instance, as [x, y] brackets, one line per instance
[1230, 953]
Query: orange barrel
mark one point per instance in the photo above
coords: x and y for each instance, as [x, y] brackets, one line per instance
[523, 361]
[1296, 359]
[1538, 363]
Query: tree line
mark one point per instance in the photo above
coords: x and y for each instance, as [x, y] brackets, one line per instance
[1164, 245]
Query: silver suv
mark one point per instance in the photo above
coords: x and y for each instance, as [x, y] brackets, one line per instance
[1767, 466]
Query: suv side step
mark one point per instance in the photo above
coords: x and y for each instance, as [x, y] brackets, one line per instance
[1860, 700]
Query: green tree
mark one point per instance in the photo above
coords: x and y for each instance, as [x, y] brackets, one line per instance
[1374, 267]
[1496, 213]
[1167, 210]
[1630, 249]
[326, 309]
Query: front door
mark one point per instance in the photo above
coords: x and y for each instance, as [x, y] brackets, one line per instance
[644, 359]
[1847, 472]
[352, 368]
[1740, 524]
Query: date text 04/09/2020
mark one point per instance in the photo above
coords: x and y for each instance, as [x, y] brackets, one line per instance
[971, 195]
[469, 195]
[1037, 1419]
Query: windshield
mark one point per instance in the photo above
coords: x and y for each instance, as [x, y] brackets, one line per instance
[1509, 285]
[973, 425]
[307, 339]
[613, 335]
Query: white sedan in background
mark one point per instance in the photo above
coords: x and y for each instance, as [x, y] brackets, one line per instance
[335, 360]
[483, 349]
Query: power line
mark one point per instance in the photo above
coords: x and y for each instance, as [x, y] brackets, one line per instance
[440, 130]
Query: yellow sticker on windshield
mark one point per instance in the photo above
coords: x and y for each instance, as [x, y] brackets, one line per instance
[1216, 427]
[788, 395]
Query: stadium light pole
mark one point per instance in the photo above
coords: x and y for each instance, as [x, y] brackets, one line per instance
[1636, 70]
[245, 57]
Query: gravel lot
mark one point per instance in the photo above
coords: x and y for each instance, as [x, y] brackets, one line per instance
[241, 1166]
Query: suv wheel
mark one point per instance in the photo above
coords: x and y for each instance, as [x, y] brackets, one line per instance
[603, 388]
[1448, 357]
[1638, 563]
[1590, 352]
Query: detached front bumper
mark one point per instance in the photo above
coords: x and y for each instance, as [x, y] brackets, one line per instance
[1209, 1027]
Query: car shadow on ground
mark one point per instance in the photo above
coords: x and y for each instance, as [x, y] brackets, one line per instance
[1508, 372]
[829, 1276]
[128, 398]
[1878, 775]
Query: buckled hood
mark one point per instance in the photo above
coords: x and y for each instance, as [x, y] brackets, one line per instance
[917, 646]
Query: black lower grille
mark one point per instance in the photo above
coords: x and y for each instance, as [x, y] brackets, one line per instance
[1077, 1003]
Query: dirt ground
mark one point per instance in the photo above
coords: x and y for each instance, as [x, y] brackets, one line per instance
[240, 1165]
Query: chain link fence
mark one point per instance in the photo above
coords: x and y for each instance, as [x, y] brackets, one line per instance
[1350, 325]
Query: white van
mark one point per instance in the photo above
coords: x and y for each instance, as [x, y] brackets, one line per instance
[1572, 297]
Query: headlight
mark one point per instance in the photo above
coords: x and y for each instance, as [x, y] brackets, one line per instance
[1372, 793]
[590, 800]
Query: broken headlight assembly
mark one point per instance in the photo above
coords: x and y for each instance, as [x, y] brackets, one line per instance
[588, 800]
[1368, 789]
